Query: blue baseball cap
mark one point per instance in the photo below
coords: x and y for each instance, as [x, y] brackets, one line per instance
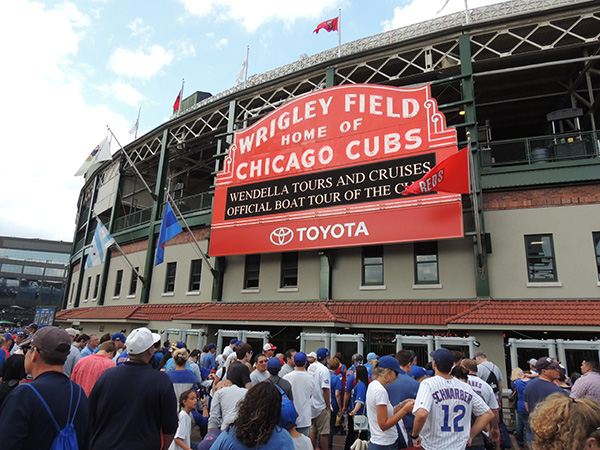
[212, 345]
[371, 356]
[443, 357]
[288, 415]
[300, 358]
[118, 337]
[8, 336]
[322, 353]
[274, 364]
[233, 341]
[238, 342]
[419, 372]
[389, 362]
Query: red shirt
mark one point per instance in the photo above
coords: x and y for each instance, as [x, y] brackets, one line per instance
[88, 369]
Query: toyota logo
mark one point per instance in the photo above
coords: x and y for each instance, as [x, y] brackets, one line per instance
[282, 236]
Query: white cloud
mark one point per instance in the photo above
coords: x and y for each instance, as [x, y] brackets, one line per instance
[127, 93]
[137, 28]
[252, 15]
[222, 43]
[52, 129]
[140, 64]
[421, 10]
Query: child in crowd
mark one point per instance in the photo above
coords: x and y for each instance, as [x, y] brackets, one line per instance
[183, 436]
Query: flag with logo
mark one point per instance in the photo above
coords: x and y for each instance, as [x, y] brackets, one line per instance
[169, 228]
[328, 25]
[450, 175]
[100, 153]
[101, 242]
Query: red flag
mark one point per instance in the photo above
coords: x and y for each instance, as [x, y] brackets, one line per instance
[450, 175]
[177, 102]
[328, 25]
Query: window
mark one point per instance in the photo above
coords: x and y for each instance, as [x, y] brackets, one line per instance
[426, 263]
[170, 277]
[596, 237]
[289, 269]
[96, 285]
[133, 281]
[372, 266]
[118, 283]
[540, 258]
[87, 289]
[251, 271]
[195, 274]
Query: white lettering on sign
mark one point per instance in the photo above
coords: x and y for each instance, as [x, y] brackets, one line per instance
[335, 231]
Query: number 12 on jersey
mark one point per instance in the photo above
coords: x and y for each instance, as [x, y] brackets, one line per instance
[459, 414]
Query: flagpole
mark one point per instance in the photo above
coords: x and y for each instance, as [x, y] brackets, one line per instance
[340, 32]
[132, 164]
[475, 202]
[246, 70]
[181, 96]
[174, 205]
[467, 17]
[137, 123]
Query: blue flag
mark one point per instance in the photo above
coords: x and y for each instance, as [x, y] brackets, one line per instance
[168, 230]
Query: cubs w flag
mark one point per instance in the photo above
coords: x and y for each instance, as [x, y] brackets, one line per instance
[100, 153]
[101, 242]
[450, 175]
[168, 230]
[328, 25]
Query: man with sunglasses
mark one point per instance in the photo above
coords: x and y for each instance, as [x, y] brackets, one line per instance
[541, 387]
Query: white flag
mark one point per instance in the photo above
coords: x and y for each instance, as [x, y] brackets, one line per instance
[101, 242]
[240, 76]
[135, 126]
[99, 154]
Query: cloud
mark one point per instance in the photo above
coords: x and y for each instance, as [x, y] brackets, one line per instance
[38, 192]
[421, 10]
[140, 64]
[222, 43]
[137, 28]
[123, 92]
[255, 14]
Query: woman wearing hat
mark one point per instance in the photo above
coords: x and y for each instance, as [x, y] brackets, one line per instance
[383, 417]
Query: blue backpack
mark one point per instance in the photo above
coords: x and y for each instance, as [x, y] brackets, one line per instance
[66, 438]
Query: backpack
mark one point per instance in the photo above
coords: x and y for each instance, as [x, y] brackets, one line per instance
[492, 380]
[66, 438]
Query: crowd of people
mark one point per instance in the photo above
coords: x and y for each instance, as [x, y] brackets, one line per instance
[136, 392]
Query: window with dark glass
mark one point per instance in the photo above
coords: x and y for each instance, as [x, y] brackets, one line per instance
[96, 285]
[195, 274]
[133, 281]
[426, 263]
[372, 266]
[170, 277]
[118, 282]
[596, 237]
[289, 269]
[251, 271]
[541, 265]
[87, 289]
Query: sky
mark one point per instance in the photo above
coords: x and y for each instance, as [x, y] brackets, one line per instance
[73, 68]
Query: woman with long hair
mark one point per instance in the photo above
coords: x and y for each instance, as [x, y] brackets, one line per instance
[518, 383]
[257, 422]
[382, 416]
[563, 423]
[357, 405]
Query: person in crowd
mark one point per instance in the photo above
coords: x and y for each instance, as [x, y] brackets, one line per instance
[81, 341]
[522, 432]
[288, 358]
[260, 373]
[321, 406]
[133, 405]
[256, 425]
[12, 374]
[119, 339]
[288, 422]
[372, 359]
[224, 404]
[238, 372]
[209, 358]
[7, 345]
[92, 345]
[382, 416]
[405, 386]
[31, 329]
[434, 428]
[183, 379]
[87, 370]
[541, 387]
[336, 396]
[274, 368]
[588, 384]
[183, 436]
[74, 353]
[357, 405]
[105, 337]
[269, 350]
[29, 412]
[20, 336]
[303, 388]
[194, 367]
[157, 356]
[230, 348]
[593, 440]
[490, 373]
[563, 423]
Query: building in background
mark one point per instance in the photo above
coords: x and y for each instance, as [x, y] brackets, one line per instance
[32, 274]
[520, 280]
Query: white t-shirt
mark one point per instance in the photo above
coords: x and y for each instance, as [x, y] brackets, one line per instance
[377, 395]
[257, 376]
[302, 443]
[302, 389]
[484, 390]
[184, 430]
[450, 403]
[285, 370]
[322, 379]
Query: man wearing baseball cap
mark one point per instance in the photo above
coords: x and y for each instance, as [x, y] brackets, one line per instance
[25, 422]
[321, 400]
[132, 405]
[302, 388]
[269, 350]
[443, 409]
[541, 387]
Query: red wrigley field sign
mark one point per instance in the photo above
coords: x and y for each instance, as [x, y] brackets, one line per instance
[327, 170]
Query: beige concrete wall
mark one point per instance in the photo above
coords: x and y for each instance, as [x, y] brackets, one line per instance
[571, 228]
[138, 259]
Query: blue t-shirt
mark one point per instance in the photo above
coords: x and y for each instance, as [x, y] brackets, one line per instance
[401, 389]
[123, 357]
[280, 440]
[359, 394]
[521, 385]
[209, 360]
[336, 385]
[537, 390]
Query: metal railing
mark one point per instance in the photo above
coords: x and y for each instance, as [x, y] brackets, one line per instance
[134, 219]
[541, 149]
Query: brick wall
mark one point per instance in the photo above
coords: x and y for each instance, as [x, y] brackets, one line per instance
[540, 198]
[201, 234]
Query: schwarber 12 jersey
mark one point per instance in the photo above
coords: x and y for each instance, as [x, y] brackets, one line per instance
[450, 404]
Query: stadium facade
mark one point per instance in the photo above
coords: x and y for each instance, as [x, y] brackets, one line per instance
[520, 279]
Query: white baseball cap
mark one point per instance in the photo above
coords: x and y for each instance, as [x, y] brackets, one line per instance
[140, 340]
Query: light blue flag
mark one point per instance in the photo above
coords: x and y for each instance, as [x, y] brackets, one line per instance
[101, 242]
[168, 230]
